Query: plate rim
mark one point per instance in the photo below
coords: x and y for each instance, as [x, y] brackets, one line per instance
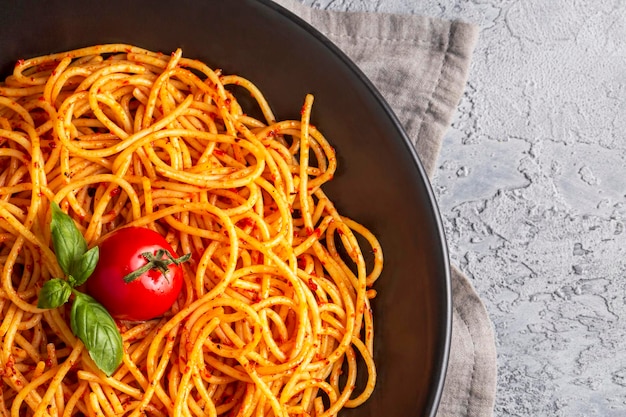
[441, 372]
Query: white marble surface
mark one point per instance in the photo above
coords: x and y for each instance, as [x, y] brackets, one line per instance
[532, 189]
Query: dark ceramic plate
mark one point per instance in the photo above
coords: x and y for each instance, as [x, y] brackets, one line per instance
[380, 181]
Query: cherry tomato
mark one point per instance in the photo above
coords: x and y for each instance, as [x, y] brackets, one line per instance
[151, 293]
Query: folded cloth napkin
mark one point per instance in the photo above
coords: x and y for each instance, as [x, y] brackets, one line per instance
[420, 65]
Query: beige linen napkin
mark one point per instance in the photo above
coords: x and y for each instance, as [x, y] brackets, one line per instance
[420, 66]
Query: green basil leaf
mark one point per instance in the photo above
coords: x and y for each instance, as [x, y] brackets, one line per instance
[54, 293]
[69, 244]
[95, 327]
[83, 268]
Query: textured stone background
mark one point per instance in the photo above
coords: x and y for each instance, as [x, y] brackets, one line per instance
[532, 191]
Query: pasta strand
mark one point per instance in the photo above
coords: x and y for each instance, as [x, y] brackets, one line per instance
[276, 301]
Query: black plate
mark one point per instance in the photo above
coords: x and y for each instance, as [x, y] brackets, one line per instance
[380, 181]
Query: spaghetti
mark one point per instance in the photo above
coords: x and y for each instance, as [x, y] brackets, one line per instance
[274, 314]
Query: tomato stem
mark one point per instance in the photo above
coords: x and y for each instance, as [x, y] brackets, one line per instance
[156, 261]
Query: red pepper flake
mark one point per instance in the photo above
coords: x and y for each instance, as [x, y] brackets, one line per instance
[312, 284]
[115, 191]
[19, 63]
[219, 152]
[245, 222]
[10, 362]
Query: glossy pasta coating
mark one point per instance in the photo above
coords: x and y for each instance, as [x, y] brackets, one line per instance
[271, 318]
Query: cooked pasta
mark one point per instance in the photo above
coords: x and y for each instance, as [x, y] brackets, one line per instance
[274, 315]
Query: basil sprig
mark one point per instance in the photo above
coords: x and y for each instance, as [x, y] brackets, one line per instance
[89, 320]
